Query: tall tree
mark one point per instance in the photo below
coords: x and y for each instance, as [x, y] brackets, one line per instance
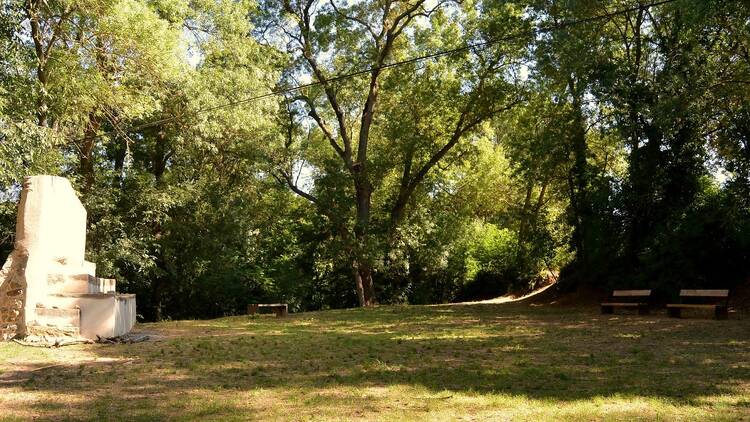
[96, 63]
[567, 79]
[327, 39]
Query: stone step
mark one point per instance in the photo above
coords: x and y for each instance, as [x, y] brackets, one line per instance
[80, 283]
[68, 283]
[56, 322]
[102, 314]
[104, 285]
[46, 331]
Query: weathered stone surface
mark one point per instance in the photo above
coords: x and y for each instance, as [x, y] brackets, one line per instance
[12, 288]
[9, 314]
[52, 331]
[8, 331]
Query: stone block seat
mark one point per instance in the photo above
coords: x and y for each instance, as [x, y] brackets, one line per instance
[47, 288]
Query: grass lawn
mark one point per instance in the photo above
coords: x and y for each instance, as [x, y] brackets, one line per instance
[469, 362]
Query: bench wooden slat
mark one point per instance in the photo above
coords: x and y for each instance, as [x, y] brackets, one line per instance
[692, 305]
[636, 299]
[714, 299]
[631, 293]
[705, 293]
[281, 309]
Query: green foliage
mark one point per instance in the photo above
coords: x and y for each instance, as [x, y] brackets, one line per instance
[491, 255]
[491, 251]
[613, 151]
[26, 149]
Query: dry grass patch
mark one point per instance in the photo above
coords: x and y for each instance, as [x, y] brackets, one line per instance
[473, 362]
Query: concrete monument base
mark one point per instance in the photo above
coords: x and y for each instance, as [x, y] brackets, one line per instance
[47, 288]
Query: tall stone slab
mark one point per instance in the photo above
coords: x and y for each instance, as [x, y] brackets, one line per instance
[47, 288]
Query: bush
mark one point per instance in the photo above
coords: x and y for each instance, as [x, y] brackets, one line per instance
[491, 262]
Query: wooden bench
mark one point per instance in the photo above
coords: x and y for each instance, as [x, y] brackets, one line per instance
[716, 300]
[633, 299]
[281, 309]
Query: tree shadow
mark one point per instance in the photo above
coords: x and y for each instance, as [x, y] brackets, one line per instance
[563, 355]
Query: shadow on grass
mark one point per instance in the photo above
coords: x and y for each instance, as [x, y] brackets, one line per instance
[230, 367]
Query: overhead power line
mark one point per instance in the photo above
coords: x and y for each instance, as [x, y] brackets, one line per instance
[471, 46]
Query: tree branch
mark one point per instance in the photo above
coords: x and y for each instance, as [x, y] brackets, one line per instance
[307, 53]
[286, 179]
[375, 36]
[462, 127]
[324, 128]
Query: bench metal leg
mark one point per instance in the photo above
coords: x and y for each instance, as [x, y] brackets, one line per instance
[608, 309]
[674, 312]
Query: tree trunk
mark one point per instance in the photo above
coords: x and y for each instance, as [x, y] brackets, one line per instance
[160, 157]
[363, 281]
[579, 187]
[120, 153]
[362, 268]
[42, 101]
[42, 74]
[523, 225]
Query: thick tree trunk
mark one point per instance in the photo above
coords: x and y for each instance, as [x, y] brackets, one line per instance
[363, 281]
[362, 269]
[579, 187]
[160, 157]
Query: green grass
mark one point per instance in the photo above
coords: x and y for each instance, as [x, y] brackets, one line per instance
[477, 362]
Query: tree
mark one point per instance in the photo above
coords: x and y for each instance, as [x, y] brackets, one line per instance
[371, 35]
[174, 169]
[93, 62]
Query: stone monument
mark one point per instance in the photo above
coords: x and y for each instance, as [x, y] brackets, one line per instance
[47, 288]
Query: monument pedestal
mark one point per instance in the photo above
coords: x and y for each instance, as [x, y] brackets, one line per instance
[47, 289]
